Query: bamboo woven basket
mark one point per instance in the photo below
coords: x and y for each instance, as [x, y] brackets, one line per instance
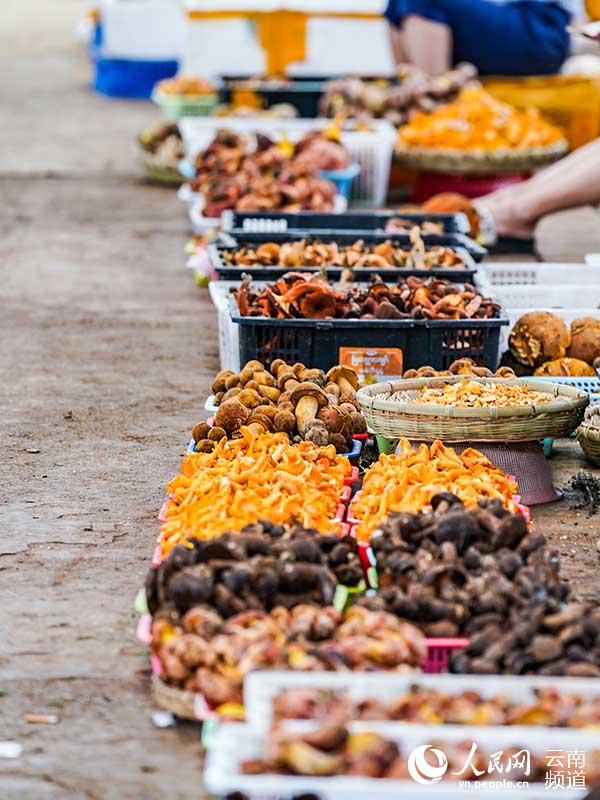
[479, 162]
[588, 434]
[395, 420]
[178, 701]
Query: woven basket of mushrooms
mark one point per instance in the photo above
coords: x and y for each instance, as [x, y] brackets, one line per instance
[307, 404]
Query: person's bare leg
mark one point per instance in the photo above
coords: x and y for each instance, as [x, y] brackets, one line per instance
[427, 44]
[572, 181]
[396, 45]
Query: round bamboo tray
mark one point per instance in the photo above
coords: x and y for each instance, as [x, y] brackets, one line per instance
[526, 423]
[479, 162]
[161, 173]
[588, 435]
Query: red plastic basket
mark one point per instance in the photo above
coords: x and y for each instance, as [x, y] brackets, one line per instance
[439, 652]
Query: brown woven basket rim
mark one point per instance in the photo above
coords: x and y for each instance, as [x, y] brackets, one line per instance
[567, 398]
[180, 702]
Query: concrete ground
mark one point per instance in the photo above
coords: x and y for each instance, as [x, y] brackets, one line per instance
[107, 351]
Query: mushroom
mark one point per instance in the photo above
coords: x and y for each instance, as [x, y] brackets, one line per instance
[307, 398]
[311, 375]
[220, 379]
[358, 421]
[333, 390]
[332, 417]
[204, 446]
[249, 398]
[285, 419]
[339, 441]
[317, 433]
[286, 378]
[231, 416]
[585, 339]
[233, 392]
[216, 434]
[259, 423]
[537, 337]
[271, 393]
[346, 379]
[200, 431]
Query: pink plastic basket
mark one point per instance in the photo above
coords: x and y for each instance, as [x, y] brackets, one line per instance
[439, 652]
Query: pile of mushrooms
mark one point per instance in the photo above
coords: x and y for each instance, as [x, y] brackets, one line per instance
[307, 404]
[299, 295]
[483, 575]
[261, 567]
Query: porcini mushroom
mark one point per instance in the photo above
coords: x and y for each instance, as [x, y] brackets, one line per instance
[346, 378]
[220, 379]
[307, 398]
[259, 423]
[249, 398]
[200, 431]
[231, 416]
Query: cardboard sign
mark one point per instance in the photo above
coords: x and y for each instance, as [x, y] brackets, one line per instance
[373, 363]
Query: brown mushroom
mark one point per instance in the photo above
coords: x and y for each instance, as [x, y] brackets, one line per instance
[200, 431]
[332, 417]
[333, 390]
[268, 411]
[285, 420]
[317, 433]
[311, 375]
[218, 398]
[307, 398]
[276, 366]
[232, 381]
[338, 440]
[230, 393]
[346, 378]
[249, 398]
[537, 337]
[585, 339]
[204, 446]
[259, 423]
[216, 434]
[286, 379]
[220, 379]
[231, 416]
[271, 393]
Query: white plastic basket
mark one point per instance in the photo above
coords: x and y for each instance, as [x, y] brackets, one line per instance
[372, 149]
[535, 273]
[229, 337]
[262, 687]
[570, 295]
[235, 743]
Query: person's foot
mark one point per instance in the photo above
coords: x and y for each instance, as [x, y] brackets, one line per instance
[504, 208]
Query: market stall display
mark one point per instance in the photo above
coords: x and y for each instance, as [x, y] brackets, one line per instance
[163, 148]
[540, 343]
[588, 434]
[251, 478]
[397, 100]
[185, 95]
[305, 404]
[452, 701]
[246, 174]
[412, 480]
[478, 134]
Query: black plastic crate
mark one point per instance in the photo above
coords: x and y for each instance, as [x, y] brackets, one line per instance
[435, 343]
[226, 272]
[304, 94]
[317, 222]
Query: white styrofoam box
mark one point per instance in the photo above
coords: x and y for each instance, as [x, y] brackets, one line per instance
[235, 743]
[262, 687]
[547, 295]
[366, 48]
[213, 47]
[229, 336]
[306, 6]
[372, 149]
[142, 29]
[538, 273]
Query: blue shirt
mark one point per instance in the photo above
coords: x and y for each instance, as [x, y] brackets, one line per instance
[574, 7]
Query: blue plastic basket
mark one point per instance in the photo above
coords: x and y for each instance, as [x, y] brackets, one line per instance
[352, 456]
[342, 178]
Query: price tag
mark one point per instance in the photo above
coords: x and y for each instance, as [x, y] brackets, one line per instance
[373, 363]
